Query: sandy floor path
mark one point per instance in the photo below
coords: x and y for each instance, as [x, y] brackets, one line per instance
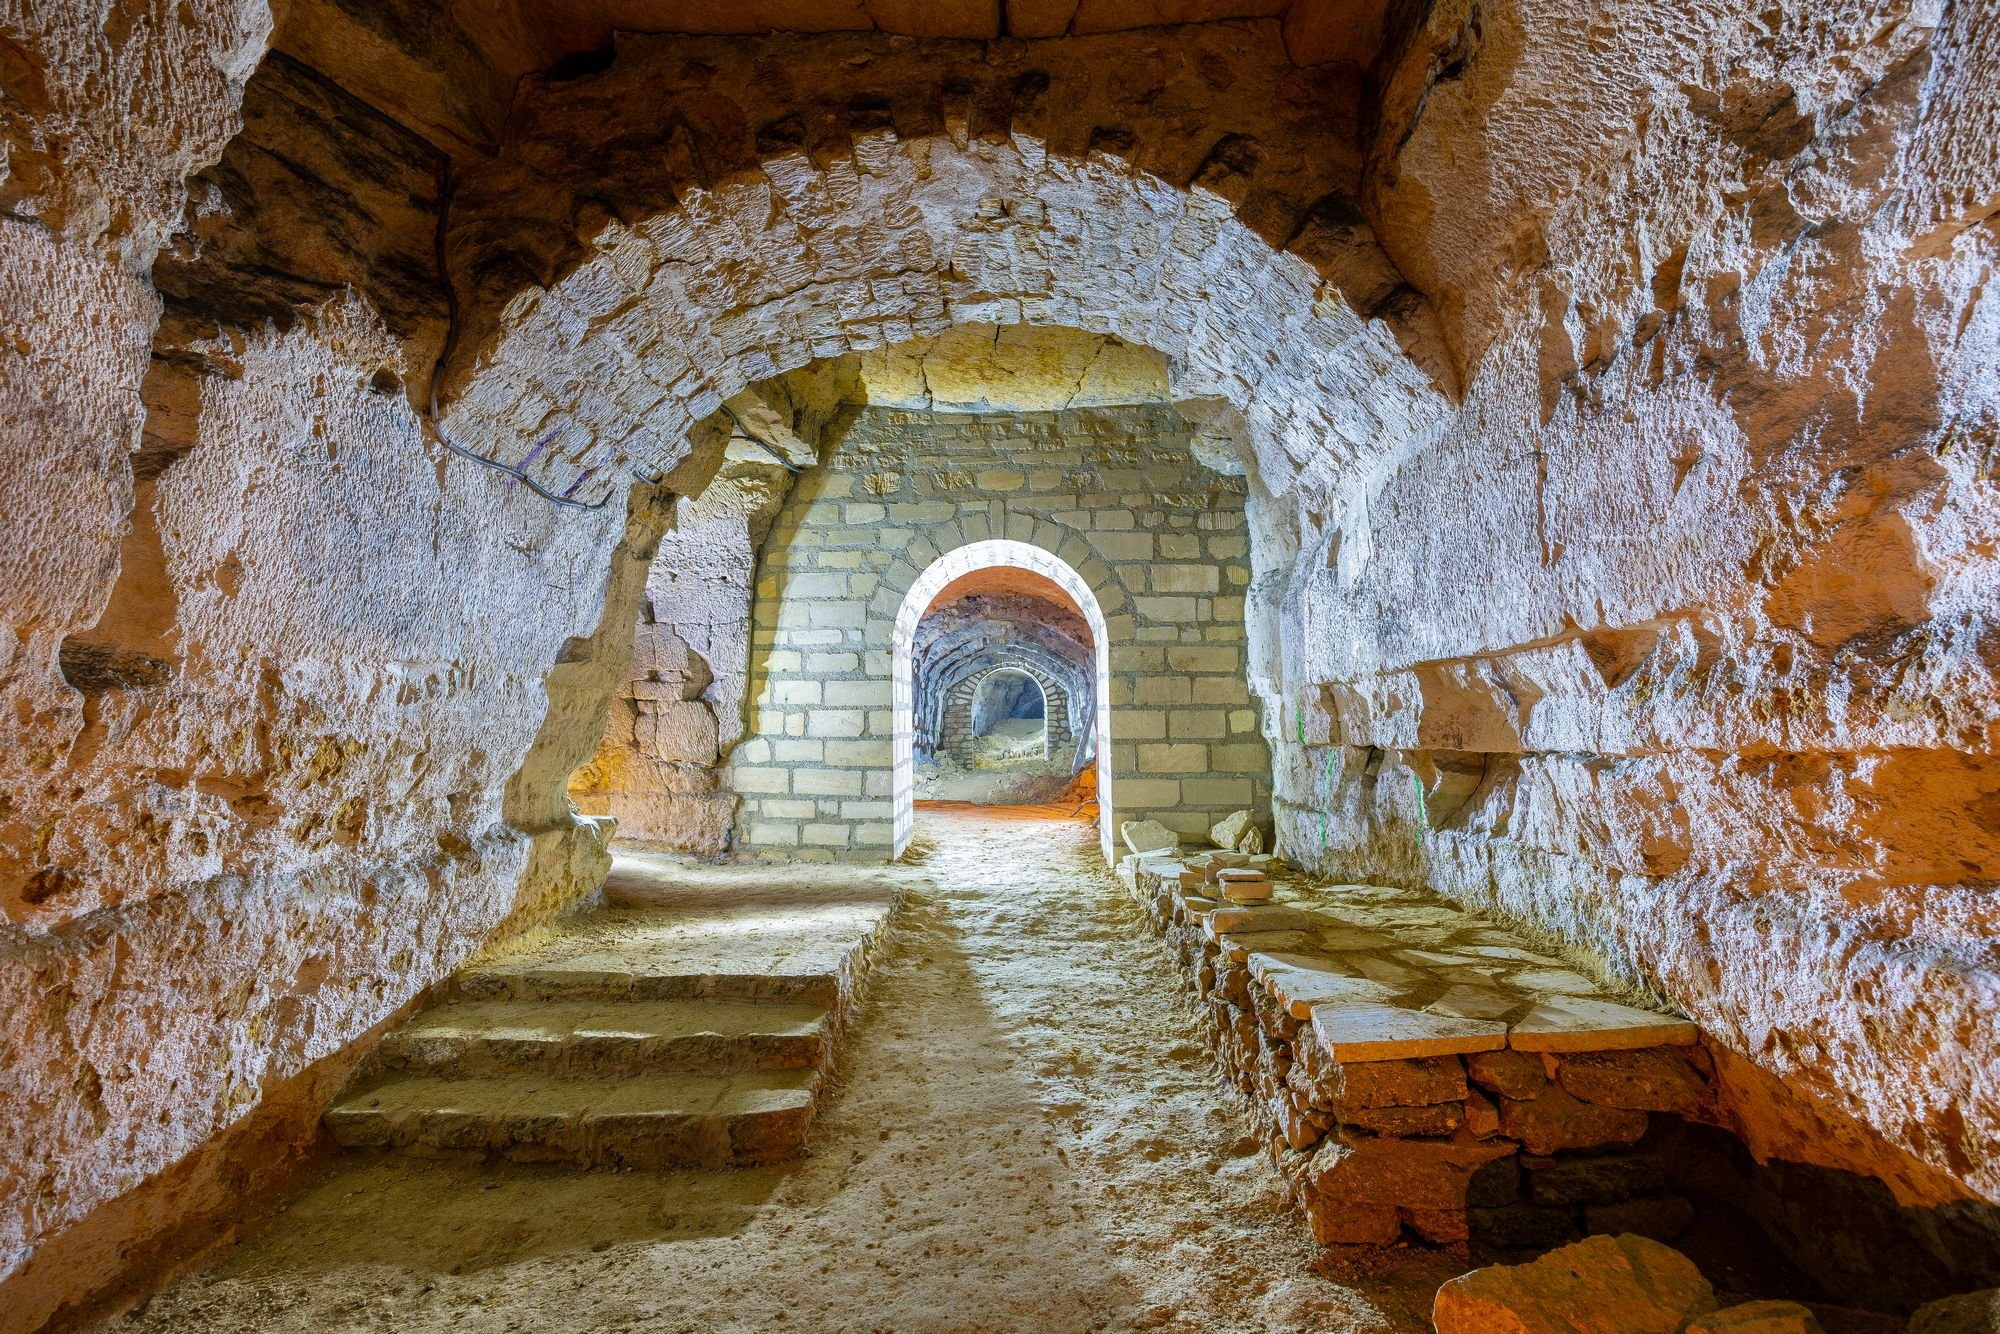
[1027, 1135]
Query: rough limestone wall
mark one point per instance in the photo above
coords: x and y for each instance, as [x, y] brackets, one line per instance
[271, 850]
[680, 709]
[1685, 627]
[1114, 492]
[264, 727]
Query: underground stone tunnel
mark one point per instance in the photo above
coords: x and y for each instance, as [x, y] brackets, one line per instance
[535, 531]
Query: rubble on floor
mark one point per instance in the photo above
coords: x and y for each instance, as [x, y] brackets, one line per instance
[1237, 832]
[1967, 1313]
[689, 1021]
[1612, 1284]
[1148, 836]
[1419, 1069]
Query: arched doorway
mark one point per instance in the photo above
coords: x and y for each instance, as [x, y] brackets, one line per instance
[1008, 695]
[955, 564]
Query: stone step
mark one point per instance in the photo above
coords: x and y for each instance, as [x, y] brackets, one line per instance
[473, 1038]
[639, 977]
[648, 1122]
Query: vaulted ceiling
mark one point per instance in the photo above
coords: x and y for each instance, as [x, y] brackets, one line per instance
[447, 68]
[1315, 30]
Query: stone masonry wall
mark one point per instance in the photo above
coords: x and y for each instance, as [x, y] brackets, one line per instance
[1114, 492]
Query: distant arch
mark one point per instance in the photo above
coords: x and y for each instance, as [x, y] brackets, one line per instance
[955, 564]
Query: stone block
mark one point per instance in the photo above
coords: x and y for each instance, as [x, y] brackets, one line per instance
[1651, 1079]
[1115, 546]
[1554, 1122]
[749, 779]
[1767, 1317]
[1213, 793]
[1966, 1313]
[795, 693]
[1362, 1032]
[1229, 830]
[1173, 758]
[815, 586]
[858, 694]
[1574, 1023]
[827, 782]
[774, 833]
[1161, 690]
[1197, 725]
[1628, 1284]
[1205, 658]
[1228, 691]
[1168, 610]
[683, 732]
[827, 835]
[842, 723]
[1147, 836]
[1412, 1174]
[1138, 724]
[1146, 793]
[1240, 758]
[1185, 579]
[1434, 1121]
[873, 753]
[1355, 1085]
[1519, 1075]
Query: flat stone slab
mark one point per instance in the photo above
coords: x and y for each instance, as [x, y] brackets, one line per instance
[586, 1037]
[641, 1121]
[1422, 955]
[1238, 946]
[1256, 918]
[1575, 1023]
[1301, 981]
[1363, 1032]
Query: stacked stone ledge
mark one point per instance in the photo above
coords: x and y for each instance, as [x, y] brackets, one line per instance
[1347, 1015]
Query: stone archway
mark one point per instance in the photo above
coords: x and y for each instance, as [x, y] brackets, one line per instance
[825, 771]
[960, 727]
[918, 595]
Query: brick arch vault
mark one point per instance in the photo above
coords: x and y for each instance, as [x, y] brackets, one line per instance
[919, 588]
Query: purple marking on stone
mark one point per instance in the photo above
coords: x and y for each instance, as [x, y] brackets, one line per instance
[540, 445]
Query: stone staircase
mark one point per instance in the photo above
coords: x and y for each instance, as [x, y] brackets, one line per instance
[689, 1021]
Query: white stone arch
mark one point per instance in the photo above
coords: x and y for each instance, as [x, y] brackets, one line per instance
[908, 238]
[954, 564]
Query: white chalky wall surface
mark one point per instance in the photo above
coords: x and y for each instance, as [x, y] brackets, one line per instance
[1111, 497]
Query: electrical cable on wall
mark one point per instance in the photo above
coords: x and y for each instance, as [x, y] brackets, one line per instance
[431, 422]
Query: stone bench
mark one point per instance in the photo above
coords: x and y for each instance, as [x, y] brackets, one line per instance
[1418, 1068]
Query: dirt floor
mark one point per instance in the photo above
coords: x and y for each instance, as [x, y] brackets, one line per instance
[1027, 1135]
